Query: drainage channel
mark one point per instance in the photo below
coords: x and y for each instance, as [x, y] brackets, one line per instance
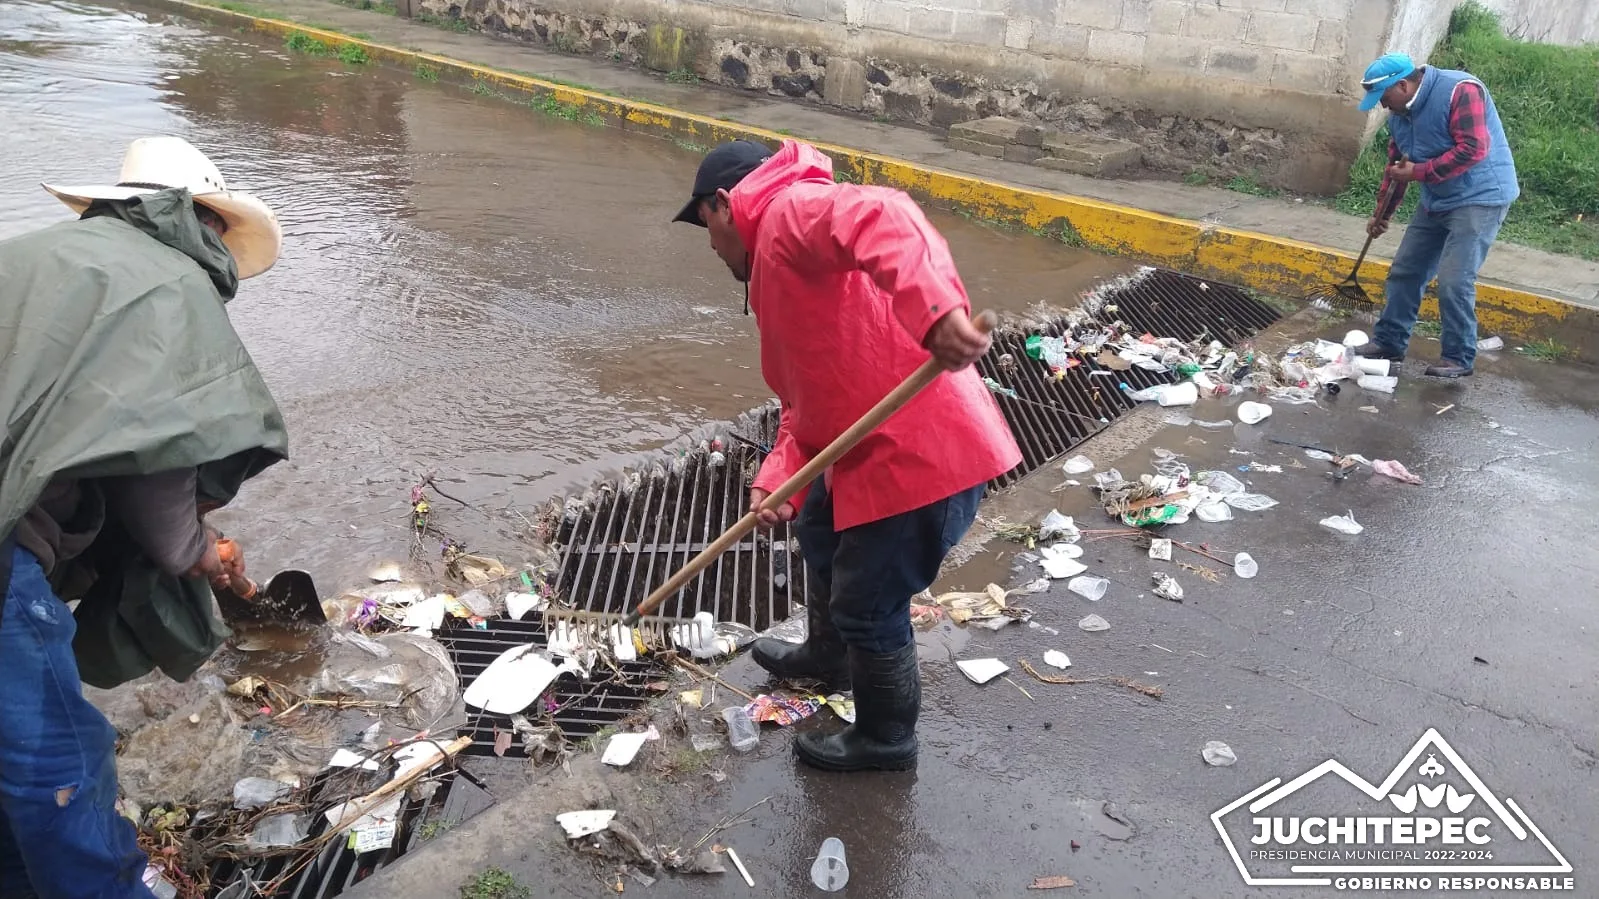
[626, 536]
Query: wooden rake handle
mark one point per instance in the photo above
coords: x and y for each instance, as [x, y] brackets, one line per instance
[843, 443]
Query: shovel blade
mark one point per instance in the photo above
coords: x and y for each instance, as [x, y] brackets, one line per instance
[290, 596]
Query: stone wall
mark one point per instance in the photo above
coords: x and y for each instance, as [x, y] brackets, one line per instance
[1261, 88]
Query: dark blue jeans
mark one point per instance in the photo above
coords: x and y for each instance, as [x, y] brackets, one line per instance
[1451, 245]
[60, 834]
[870, 572]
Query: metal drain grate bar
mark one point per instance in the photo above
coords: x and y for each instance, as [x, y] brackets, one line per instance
[336, 868]
[635, 534]
[579, 709]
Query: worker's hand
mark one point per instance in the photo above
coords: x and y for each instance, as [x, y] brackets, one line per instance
[1403, 171]
[1377, 227]
[210, 564]
[767, 518]
[955, 342]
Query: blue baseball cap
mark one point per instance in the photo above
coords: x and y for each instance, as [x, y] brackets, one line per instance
[1383, 74]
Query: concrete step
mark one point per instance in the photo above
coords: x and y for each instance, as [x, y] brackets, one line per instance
[1013, 140]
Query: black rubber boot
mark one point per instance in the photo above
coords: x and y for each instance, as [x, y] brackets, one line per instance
[821, 657]
[888, 698]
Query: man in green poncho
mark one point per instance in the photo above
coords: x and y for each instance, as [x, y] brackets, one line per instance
[131, 410]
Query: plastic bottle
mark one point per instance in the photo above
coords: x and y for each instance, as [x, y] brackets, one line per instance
[829, 872]
[741, 731]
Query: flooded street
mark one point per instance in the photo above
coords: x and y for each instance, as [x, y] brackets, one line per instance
[467, 287]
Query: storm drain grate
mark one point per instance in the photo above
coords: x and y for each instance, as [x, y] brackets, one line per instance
[336, 868]
[1049, 417]
[578, 708]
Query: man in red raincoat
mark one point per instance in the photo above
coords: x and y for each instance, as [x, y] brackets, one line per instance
[852, 290]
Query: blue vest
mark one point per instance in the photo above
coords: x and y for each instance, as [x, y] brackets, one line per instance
[1423, 135]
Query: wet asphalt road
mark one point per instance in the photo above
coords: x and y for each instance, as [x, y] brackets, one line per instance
[1466, 605]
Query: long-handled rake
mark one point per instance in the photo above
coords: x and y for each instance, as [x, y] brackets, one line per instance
[642, 624]
[1347, 295]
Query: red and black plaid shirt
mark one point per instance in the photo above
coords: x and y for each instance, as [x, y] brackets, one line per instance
[1468, 125]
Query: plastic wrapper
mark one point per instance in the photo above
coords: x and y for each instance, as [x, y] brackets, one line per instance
[1221, 483]
[1343, 524]
[1249, 502]
[1213, 512]
[783, 710]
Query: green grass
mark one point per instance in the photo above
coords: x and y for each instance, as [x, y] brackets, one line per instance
[382, 6]
[1196, 178]
[1428, 329]
[683, 76]
[1246, 184]
[433, 828]
[1546, 98]
[353, 54]
[425, 72]
[1547, 350]
[304, 43]
[494, 883]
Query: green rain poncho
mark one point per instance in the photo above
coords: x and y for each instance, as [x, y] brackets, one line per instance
[120, 360]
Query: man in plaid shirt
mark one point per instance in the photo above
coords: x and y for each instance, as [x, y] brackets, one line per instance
[1447, 136]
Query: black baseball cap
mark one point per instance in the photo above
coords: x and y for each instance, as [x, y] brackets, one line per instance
[721, 169]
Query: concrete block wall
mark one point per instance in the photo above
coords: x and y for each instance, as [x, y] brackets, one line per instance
[1258, 87]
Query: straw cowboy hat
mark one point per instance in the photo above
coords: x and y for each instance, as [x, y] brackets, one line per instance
[154, 164]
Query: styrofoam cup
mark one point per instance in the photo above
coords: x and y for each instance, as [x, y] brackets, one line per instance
[1252, 413]
[1088, 587]
[1378, 367]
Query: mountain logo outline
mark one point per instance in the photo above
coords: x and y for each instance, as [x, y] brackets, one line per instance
[1506, 811]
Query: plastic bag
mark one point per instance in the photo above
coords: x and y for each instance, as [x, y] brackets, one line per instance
[1078, 465]
[1221, 483]
[1214, 512]
[258, 792]
[1108, 479]
[278, 831]
[1058, 526]
[1249, 502]
[1343, 524]
[1395, 470]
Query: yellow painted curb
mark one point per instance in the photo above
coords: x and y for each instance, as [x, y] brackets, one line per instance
[1261, 262]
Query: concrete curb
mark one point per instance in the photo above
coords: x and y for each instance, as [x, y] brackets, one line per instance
[1262, 262]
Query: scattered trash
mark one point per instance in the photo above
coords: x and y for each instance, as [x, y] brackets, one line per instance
[707, 861]
[581, 824]
[1343, 524]
[1060, 565]
[988, 608]
[1183, 394]
[1108, 479]
[1251, 413]
[1218, 754]
[705, 742]
[1093, 624]
[1244, 566]
[742, 733]
[830, 872]
[1371, 409]
[981, 671]
[743, 871]
[1089, 587]
[1479, 660]
[1160, 549]
[1151, 692]
[514, 680]
[1056, 525]
[278, 832]
[782, 710]
[259, 792]
[1208, 575]
[517, 605]
[386, 573]
[842, 707]
[475, 570]
[623, 748]
[1395, 470]
[701, 639]
[1056, 882]
[1263, 467]
[1491, 343]
[1378, 383]
[1166, 587]
[1178, 419]
[1249, 502]
[1056, 659]
[1212, 513]
[1356, 338]
[1078, 465]
[1220, 483]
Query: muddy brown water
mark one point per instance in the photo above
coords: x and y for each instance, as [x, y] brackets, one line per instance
[467, 287]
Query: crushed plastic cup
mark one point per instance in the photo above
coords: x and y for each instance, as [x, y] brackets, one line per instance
[1491, 343]
[1093, 624]
[741, 731]
[1218, 754]
[1184, 394]
[1356, 338]
[1343, 524]
[1378, 383]
[1089, 587]
[1244, 566]
[1214, 512]
[1078, 465]
[830, 872]
[1252, 413]
[1378, 367]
